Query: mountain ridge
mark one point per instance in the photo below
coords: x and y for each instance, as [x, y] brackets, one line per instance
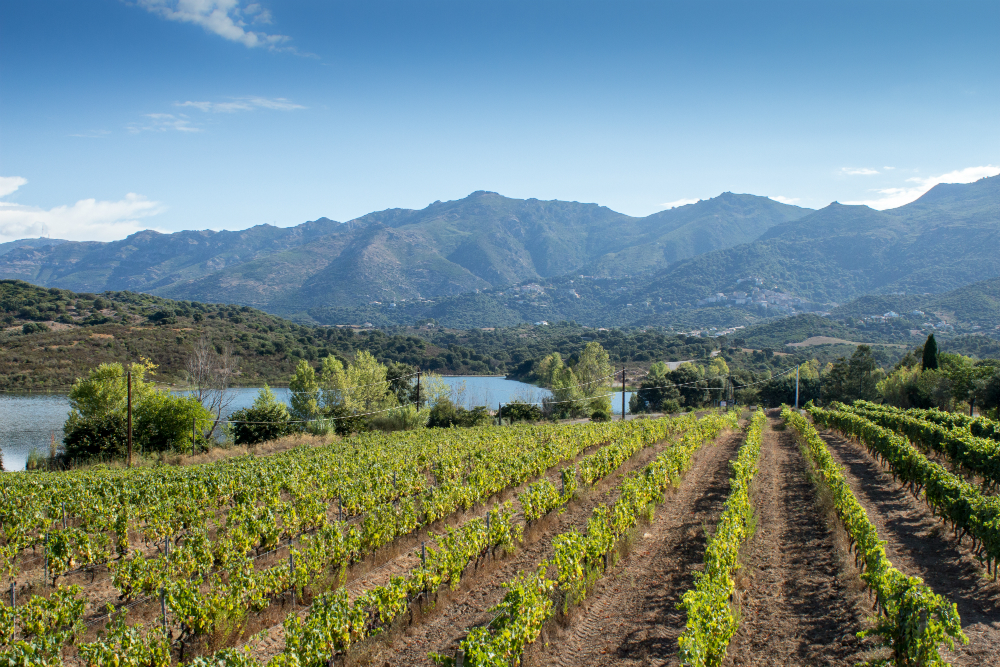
[479, 242]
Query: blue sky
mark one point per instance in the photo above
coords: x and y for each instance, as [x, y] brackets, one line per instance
[222, 114]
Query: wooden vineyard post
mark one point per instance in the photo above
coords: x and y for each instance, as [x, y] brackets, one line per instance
[129, 377]
[291, 569]
[460, 658]
[194, 430]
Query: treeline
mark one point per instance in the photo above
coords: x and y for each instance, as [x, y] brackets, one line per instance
[923, 378]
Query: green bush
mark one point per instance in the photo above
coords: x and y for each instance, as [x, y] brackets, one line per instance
[87, 437]
[517, 411]
[600, 416]
[445, 413]
[266, 419]
[34, 327]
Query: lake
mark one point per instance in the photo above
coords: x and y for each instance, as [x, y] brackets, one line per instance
[33, 421]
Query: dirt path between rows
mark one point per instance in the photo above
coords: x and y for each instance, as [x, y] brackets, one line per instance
[921, 545]
[803, 601]
[442, 631]
[631, 616]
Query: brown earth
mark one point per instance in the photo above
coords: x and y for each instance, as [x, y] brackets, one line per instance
[921, 545]
[802, 600]
[441, 630]
[631, 616]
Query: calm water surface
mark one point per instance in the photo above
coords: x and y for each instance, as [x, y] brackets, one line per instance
[35, 421]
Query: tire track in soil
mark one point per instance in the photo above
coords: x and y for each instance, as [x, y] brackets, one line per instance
[445, 626]
[921, 545]
[631, 616]
[802, 602]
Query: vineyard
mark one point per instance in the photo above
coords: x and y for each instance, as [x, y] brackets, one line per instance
[842, 535]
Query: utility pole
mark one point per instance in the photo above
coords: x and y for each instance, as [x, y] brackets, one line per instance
[796, 387]
[130, 420]
[623, 392]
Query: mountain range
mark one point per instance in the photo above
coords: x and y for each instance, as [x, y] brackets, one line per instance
[488, 260]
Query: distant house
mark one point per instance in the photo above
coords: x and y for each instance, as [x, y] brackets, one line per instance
[891, 313]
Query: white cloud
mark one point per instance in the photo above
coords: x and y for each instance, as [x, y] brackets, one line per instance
[888, 168]
[86, 220]
[895, 197]
[863, 171]
[93, 134]
[10, 184]
[243, 104]
[785, 200]
[679, 202]
[225, 18]
[163, 122]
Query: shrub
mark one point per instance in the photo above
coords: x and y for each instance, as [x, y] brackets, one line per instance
[267, 419]
[86, 437]
[404, 418]
[34, 327]
[517, 411]
[600, 416]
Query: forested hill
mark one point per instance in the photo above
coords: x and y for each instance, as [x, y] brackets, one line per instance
[50, 337]
[480, 242]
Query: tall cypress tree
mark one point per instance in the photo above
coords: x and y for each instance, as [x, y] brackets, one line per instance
[930, 353]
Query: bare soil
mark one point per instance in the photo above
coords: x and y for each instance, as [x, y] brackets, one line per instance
[802, 601]
[631, 616]
[921, 545]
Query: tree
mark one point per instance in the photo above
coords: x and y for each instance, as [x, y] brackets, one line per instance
[561, 380]
[98, 420]
[401, 382]
[164, 421]
[305, 392]
[211, 372]
[988, 393]
[350, 395]
[655, 391]
[517, 411]
[266, 419]
[930, 361]
[593, 374]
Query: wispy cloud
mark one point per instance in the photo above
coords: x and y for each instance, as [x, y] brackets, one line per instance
[86, 220]
[785, 200]
[243, 104]
[163, 122]
[225, 18]
[863, 171]
[895, 197]
[93, 134]
[10, 184]
[679, 202]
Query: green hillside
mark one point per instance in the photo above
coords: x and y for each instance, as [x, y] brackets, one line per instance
[50, 337]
